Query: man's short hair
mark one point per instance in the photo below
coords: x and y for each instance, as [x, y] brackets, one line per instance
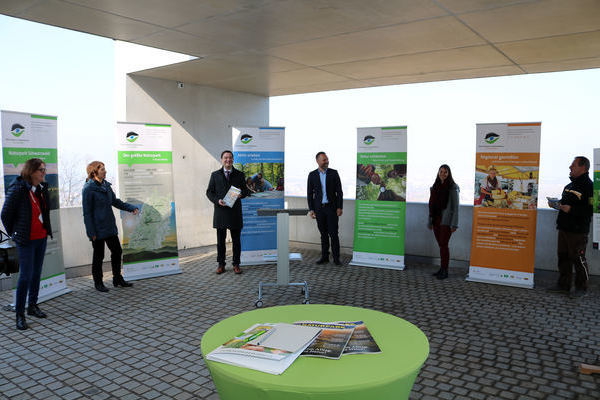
[318, 154]
[259, 175]
[226, 151]
[583, 162]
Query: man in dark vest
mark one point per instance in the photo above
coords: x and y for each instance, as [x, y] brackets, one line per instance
[325, 202]
[573, 224]
[225, 217]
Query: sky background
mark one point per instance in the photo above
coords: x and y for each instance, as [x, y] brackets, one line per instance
[81, 79]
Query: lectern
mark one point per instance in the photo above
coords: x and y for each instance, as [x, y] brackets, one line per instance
[283, 250]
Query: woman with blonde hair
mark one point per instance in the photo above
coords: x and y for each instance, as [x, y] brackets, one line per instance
[26, 218]
[98, 199]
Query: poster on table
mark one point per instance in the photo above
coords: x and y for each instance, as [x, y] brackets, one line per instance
[596, 204]
[505, 203]
[26, 136]
[380, 197]
[259, 153]
[146, 180]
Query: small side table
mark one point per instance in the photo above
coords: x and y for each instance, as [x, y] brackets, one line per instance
[283, 251]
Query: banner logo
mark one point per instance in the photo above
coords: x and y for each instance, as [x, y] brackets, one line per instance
[368, 139]
[17, 130]
[131, 137]
[246, 138]
[491, 138]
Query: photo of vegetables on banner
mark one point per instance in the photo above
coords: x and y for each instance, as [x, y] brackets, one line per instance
[380, 197]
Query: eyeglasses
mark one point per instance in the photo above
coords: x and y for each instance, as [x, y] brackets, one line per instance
[42, 169]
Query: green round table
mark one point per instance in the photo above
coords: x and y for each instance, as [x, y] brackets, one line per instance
[386, 375]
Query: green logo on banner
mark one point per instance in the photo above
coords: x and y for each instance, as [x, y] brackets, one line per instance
[368, 139]
[17, 130]
[132, 137]
[491, 137]
[246, 138]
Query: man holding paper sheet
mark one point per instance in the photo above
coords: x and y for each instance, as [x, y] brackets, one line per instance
[573, 224]
[226, 186]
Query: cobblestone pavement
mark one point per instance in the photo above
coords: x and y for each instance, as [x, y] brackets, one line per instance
[487, 341]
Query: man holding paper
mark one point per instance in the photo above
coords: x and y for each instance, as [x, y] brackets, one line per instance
[226, 186]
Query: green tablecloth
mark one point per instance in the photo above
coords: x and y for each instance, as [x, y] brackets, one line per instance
[388, 375]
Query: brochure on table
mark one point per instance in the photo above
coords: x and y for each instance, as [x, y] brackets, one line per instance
[267, 347]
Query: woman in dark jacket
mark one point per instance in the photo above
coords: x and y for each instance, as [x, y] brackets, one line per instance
[443, 214]
[26, 217]
[98, 200]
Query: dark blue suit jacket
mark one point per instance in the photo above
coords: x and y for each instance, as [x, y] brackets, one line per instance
[333, 186]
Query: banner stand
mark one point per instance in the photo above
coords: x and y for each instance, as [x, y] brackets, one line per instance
[26, 136]
[380, 209]
[259, 153]
[145, 164]
[505, 204]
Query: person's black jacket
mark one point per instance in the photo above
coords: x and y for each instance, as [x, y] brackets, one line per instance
[578, 194]
[97, 202]
[218, 186]
[333, 186]
[16, 212]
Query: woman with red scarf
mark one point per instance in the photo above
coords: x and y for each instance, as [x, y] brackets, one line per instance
[443, 214]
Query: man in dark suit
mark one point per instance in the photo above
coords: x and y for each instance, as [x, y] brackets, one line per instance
[226, 217]
[325, 202]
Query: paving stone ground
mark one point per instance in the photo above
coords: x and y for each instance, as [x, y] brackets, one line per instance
[486, 341]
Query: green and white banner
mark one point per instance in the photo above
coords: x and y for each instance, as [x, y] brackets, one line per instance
[380, 197]
[596, 224]
[26, 136]
[146, 181]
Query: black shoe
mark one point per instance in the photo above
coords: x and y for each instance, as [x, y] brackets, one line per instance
[100, 287]
[577, 293]
[557, 289]
[337, 261]
[35, 311]
[322, 260]
[119, 281]
[439, 271]
[21, 323]
[443, 274]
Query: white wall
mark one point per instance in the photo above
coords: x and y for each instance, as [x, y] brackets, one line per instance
[420, 241]
[201, 118]
[303, 230]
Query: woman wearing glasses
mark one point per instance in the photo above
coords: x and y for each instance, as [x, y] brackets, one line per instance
[26, 217]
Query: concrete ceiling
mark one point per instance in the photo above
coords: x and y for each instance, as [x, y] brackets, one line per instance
[278, 47]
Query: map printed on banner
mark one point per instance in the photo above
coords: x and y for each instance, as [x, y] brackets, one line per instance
[26, 136]
[146, 181]
[380, 197]
[505, 203]
[259, 153]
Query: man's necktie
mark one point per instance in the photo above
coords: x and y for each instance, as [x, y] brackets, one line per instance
[227, 175]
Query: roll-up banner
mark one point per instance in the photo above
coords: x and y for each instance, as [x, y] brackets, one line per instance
[26, 136]
[259, 153]
[380, 197]
[505, 206]
[596, 224]
[146, 181]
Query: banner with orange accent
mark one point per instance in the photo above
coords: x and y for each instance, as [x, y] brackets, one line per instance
[505, 204]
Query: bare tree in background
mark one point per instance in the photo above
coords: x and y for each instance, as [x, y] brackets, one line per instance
[71, 177]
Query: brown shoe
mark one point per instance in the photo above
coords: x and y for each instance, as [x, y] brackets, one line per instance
[220, 269]
[236, 269]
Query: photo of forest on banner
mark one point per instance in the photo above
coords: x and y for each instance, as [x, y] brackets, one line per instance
[263, 179]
